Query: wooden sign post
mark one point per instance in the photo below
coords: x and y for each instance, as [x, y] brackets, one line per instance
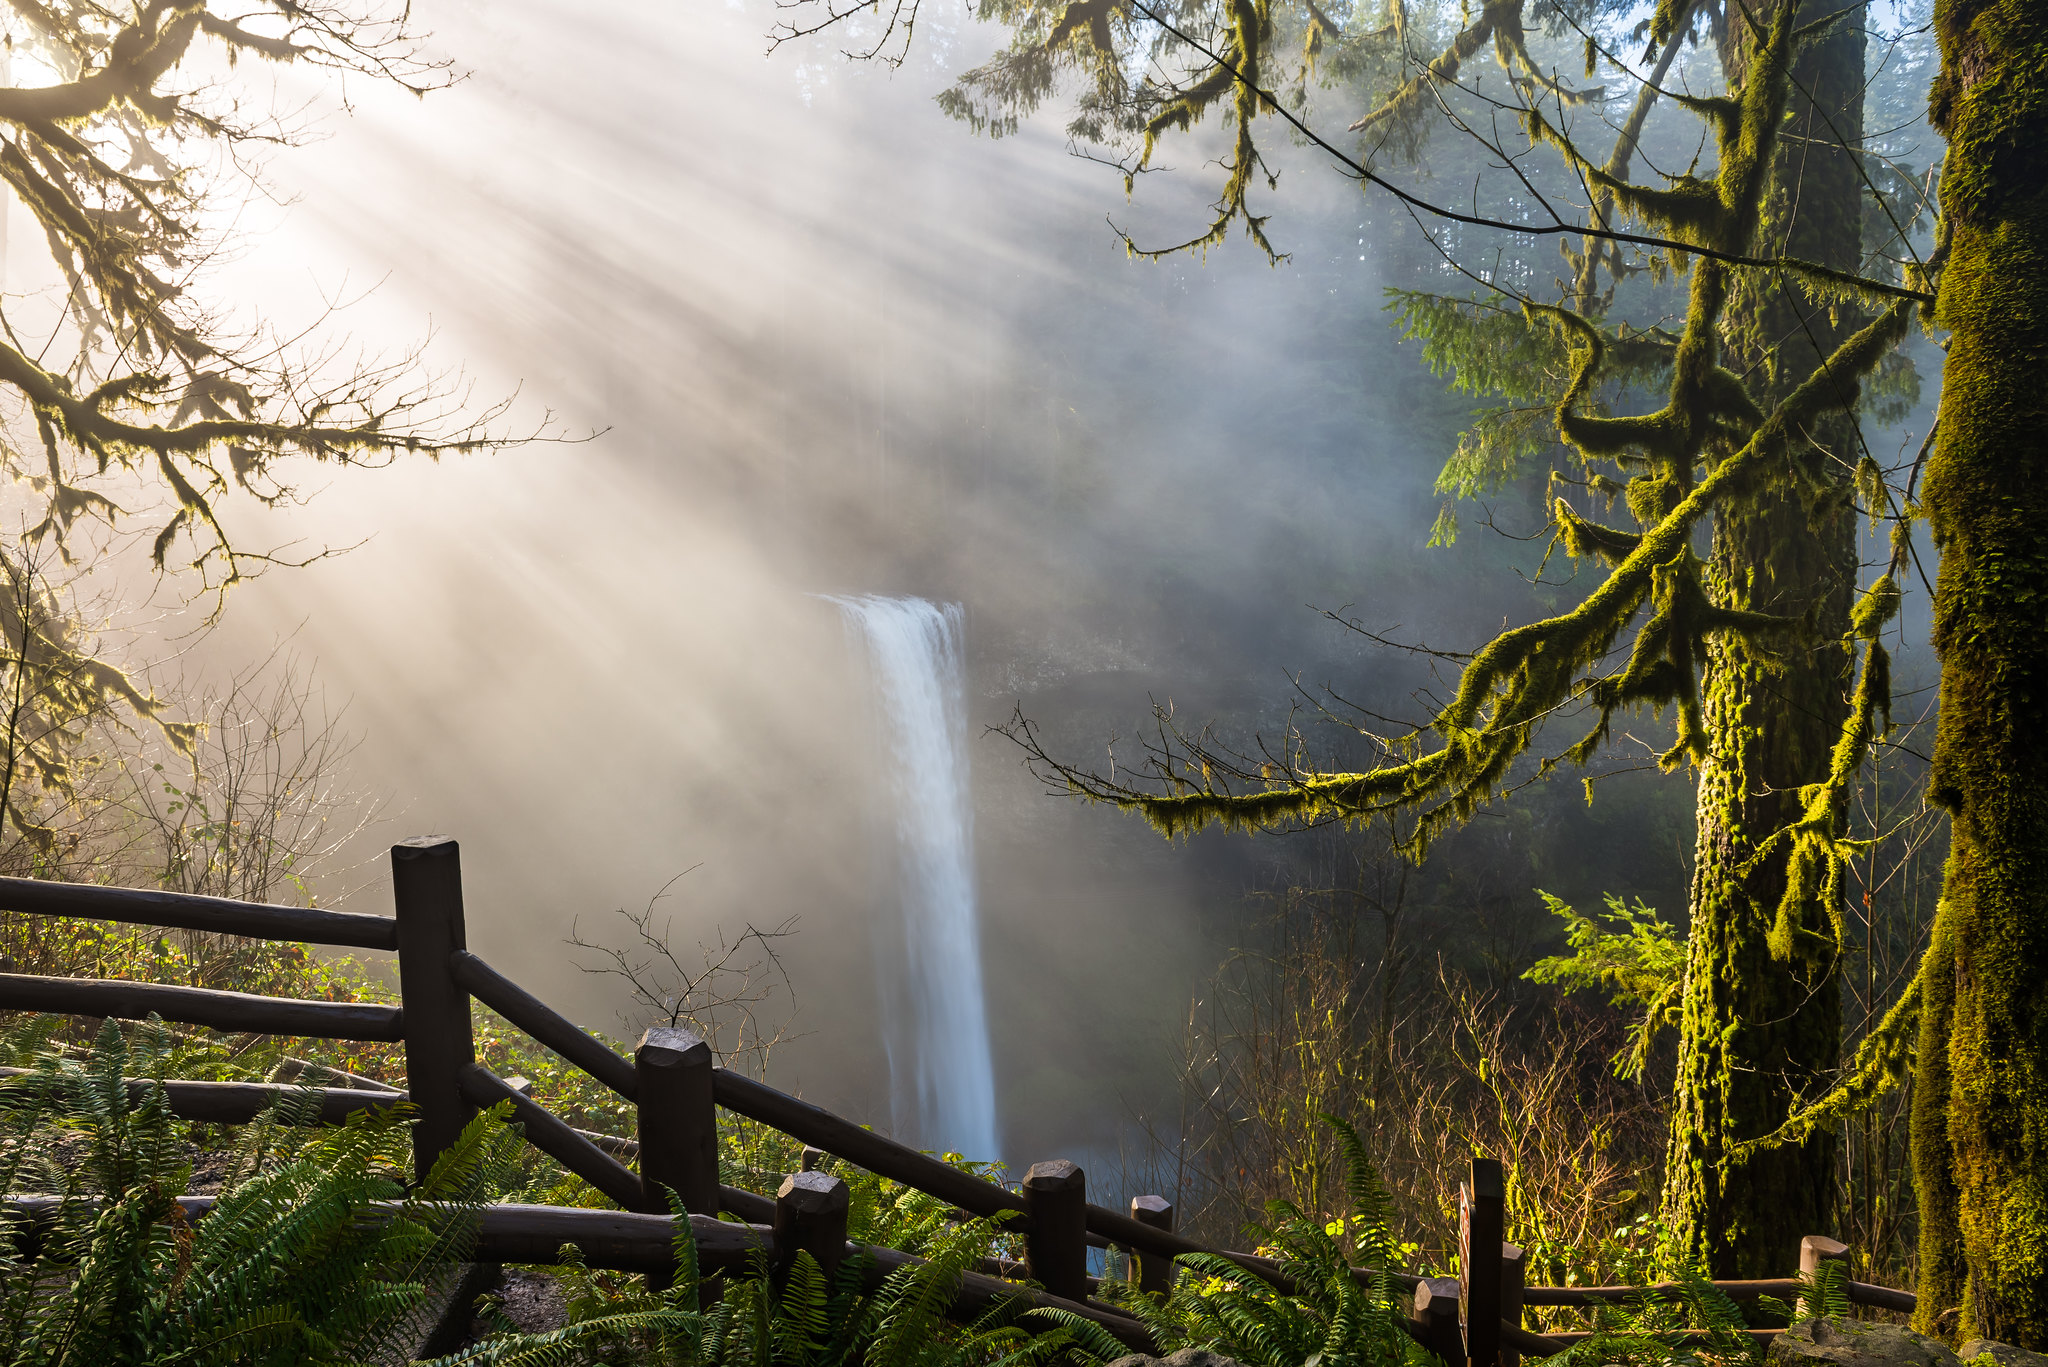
[1482, 1220]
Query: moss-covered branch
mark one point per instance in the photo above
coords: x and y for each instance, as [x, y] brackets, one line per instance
[1524, 677]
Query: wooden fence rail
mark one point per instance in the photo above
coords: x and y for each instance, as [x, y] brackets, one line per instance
[236, 1012]
[237, 1103]
[183, 911]
[1473, 1320]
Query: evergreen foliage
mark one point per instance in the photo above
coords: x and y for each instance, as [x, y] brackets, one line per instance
[1332, 1317]
[314, 1252]
[1750, 433]
[799, 1319]
[1709, 445]
[1637, 959]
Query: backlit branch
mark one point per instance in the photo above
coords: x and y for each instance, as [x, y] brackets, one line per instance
[115, 162]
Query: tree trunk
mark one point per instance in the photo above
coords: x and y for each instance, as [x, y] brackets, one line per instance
[1934, 1187]
[1759, 1031]
[1987, 504]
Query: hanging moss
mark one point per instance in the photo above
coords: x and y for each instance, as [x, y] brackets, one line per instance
[1751, 649]
[1712, 445]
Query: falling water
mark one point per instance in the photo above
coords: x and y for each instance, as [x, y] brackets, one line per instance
[936, 1025]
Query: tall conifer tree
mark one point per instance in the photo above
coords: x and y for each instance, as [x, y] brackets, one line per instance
[1761, 1023]
[1754, 651]
[1981, 1110]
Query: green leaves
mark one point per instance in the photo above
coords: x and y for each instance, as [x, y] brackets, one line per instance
[303, 1257]
[808, 1320]
[1635, 956]
[1690, 1322]
[1344, 1311]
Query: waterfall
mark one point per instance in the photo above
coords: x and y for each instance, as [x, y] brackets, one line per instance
[935, 1020]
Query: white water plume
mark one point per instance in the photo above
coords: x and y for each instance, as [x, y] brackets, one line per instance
[936, 1021]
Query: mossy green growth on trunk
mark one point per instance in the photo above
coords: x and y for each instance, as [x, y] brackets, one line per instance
[1934, 1176]
[1987, 505]
[1759, 1029]
[1757, 1032]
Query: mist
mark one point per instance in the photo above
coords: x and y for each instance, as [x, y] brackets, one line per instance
[798, 335]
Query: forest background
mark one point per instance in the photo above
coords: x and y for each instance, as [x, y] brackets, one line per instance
[1367, 979]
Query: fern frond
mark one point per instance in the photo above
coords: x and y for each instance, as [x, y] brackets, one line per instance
[1089, 1339]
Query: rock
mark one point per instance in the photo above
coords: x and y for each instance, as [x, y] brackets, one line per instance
[2001, 1354]
[1859, 1343]
[1186, 1357]
[532, 1300]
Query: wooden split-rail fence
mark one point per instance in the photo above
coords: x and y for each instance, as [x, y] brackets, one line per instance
[676, 1087]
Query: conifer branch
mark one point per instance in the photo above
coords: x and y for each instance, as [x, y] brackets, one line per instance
[1559, 226]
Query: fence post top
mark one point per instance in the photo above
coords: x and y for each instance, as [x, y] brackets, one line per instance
[1056, 1175]
[814, 1193]
[424, 846]
[671, 1046]
[1436, 1295]
[1816, 1249]
[1141, 1206]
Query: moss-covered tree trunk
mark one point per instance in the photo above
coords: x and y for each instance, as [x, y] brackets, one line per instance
[1987, 503]
[1758, 1032]
[1941, 1245]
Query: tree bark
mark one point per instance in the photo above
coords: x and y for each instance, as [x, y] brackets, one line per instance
[1934, 1188]
[1759, 1031]
[1986, 501]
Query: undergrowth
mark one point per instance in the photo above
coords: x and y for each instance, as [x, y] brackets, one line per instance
[314, 1251]
[1334, 1317]
[801, 1319]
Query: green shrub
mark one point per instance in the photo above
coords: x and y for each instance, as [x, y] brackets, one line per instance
[1332, 1318]
[807, 1320]
[298, 1262]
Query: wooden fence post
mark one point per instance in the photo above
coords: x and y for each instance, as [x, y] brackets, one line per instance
[1816, 1249]
[810, 1214]
[426, 892]
[1155, 1274]
[1436, 1314]
[1482, 1215]
[1056, 1246]
[1514, 1276]
[678, 1122]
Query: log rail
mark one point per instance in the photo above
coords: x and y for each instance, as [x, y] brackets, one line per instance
[676, 1089]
